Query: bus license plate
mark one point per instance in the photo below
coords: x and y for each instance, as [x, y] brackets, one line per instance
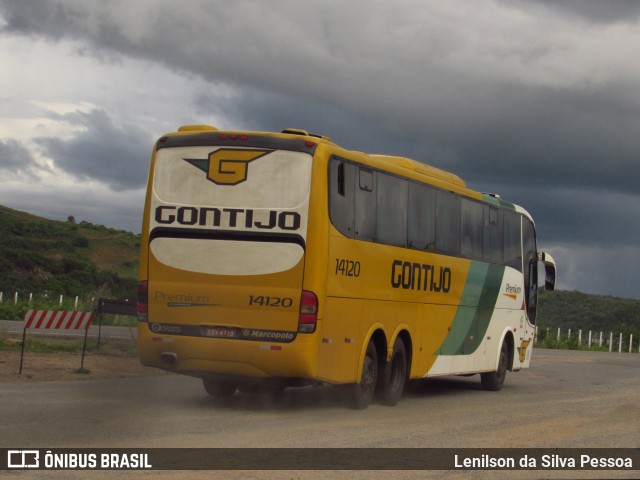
[220, 332]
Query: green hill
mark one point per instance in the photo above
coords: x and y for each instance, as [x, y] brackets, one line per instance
[578, 310]
[39, 255]
[64, 258]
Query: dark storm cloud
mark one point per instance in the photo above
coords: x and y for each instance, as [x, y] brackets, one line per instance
[537, 100]
[553, 139]
[268, 111]
[101, 151]
[599, 11]
[436, 95]
[578, 180]
[14, 156]
[577, 216]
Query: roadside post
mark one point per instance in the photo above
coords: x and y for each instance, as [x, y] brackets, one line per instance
[115, 307]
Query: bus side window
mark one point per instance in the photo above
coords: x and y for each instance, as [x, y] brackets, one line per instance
[422, 217]
[493, 235]
[365, 222]
[391, 200]
[512, 243]
[447, 223]
[530, 268]
[342, 178]
[472, 221]
[366, 180]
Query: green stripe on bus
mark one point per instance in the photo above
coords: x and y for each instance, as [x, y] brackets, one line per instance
[498, 202]
[477, 304]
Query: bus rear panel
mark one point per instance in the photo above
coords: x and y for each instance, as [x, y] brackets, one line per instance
[227, 226]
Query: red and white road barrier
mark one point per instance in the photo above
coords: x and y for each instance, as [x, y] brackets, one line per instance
[57, 320]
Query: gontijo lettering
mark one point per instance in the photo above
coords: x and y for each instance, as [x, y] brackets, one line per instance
[420, 276]
[227, 217]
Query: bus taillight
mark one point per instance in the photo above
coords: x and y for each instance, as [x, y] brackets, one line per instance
[308, 317]
[143, 300]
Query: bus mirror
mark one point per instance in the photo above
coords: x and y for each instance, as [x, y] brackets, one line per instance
[549, 270]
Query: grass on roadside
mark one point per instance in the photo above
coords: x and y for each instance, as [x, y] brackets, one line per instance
[115, 347]
[570, 344]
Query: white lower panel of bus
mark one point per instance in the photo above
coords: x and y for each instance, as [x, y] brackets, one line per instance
[226, 257]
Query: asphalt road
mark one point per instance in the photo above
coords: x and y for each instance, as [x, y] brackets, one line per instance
[567, 399]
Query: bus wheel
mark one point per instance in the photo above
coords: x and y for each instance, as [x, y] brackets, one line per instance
[493, 380]
[219, 388]
[362, 393]
[394, 375]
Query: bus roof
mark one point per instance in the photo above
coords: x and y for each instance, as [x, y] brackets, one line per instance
[422, 168]
[400, 165]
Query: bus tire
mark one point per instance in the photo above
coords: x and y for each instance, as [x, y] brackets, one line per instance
[394, 375]
[363, 391]
[219, 389]
[493, 381]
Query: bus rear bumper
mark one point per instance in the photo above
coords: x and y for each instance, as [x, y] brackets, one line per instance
[206, 357]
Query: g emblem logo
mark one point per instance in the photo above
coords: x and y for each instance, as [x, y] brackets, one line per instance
[230, 166]
[227, 166]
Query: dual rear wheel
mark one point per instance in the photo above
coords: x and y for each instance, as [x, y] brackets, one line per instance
[384, 379]
[387, 379]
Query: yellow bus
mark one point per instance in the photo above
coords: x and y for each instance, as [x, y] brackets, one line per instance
[271, 260]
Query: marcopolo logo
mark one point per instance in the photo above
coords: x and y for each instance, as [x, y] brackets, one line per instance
[227, 166]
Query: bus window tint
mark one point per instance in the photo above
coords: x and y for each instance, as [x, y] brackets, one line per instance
[365, 222]
[371, 205]
[447, 223]
[422, 217]
[342, 177]
[530, 268]
[493, 236]
[472, 220]
[391, 202]
[512, 252]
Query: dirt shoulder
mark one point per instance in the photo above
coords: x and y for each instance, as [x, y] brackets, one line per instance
[62, 366]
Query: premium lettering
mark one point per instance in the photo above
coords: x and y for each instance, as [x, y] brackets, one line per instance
[513, 289]
[184, 298]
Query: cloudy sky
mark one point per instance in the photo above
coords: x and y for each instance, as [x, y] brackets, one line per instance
[535, 100]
